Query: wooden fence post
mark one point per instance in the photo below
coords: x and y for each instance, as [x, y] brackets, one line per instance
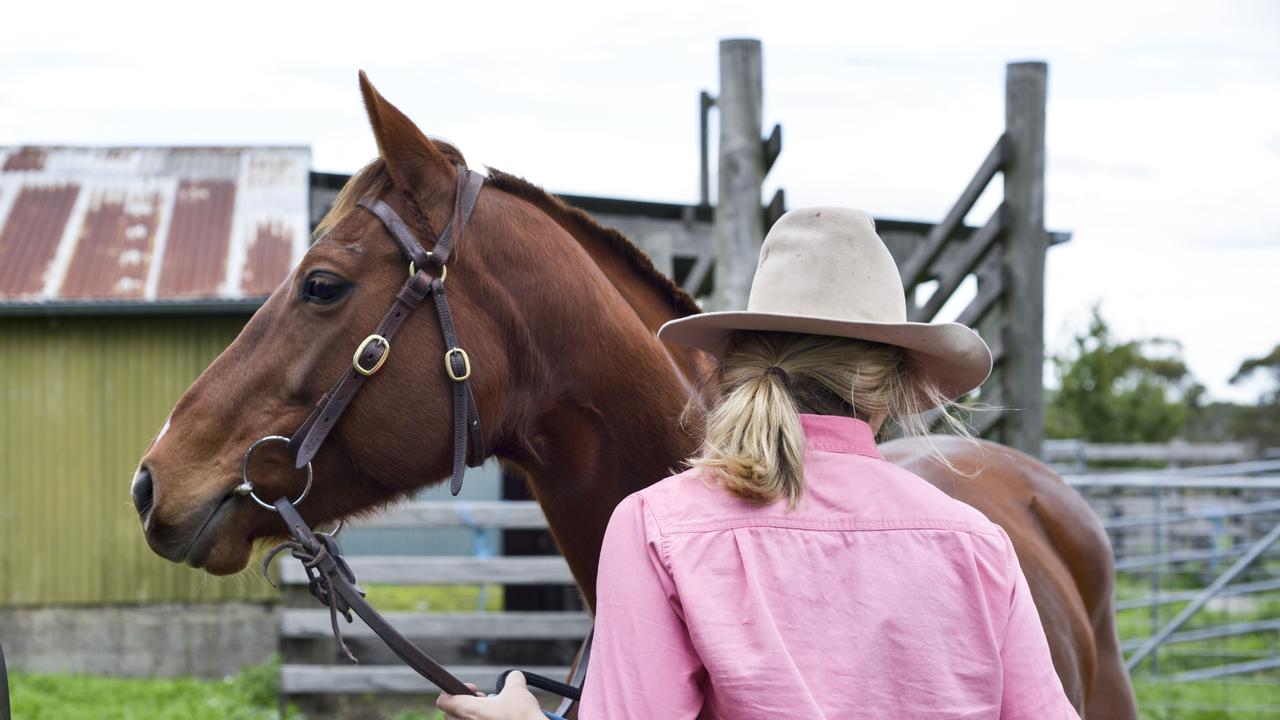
[738, 230]
[1024, 256]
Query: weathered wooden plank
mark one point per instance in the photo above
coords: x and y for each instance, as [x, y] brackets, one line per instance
[659, 250]
[950, 276]
[1171, 452]
[685, 236]
[990, 288]
[1025, 246]
[506, 514]
[358, 679]
[776, 208]
[914, 269]
[738, 228]
[984, 421]
[698, 273]
[447, 570]
[772, 147]
[1156, 480]
[995, 343]
[705, 103]
[981, 421]
[296, 623]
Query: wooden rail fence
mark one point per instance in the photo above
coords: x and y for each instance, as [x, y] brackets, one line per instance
[315, 672]
[314, 667]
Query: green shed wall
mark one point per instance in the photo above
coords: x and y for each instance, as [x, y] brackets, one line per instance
[82, 398]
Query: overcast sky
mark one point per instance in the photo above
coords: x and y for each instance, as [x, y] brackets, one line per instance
[1163, 117]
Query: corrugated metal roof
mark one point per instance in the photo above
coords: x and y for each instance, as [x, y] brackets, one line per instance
[149, 224]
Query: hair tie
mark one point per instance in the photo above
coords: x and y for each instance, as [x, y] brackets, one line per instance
[781, 374]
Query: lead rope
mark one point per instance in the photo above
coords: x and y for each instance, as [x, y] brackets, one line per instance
[320, 582]
[331, 581]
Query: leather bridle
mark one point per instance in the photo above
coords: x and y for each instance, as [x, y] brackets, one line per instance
[469, 448]
[331, 579]
[373, 352]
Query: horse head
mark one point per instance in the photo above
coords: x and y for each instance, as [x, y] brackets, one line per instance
[544, 301]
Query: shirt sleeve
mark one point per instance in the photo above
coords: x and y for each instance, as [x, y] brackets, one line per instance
[643, 664]
[1032, 688]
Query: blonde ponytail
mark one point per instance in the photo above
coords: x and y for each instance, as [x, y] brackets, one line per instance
[754, 442]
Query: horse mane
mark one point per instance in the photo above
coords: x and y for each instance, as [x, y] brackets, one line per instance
[579, 224]
[374, 179]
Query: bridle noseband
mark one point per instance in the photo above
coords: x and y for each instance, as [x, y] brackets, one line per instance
[370, 355]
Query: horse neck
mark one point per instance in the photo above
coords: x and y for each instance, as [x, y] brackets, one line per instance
[610, 398]
[593, 462]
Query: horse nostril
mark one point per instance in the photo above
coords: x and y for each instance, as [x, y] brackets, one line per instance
[143, 492]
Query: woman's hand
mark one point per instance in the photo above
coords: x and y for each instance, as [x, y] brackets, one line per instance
[515, 702]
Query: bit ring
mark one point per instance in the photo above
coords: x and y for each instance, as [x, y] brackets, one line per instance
[246, 487]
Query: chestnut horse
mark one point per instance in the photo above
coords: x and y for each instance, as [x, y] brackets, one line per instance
[573, 389]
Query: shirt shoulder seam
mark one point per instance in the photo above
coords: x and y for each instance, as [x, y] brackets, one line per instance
[664, 550]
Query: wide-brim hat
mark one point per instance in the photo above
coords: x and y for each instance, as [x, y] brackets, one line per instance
[825, 271]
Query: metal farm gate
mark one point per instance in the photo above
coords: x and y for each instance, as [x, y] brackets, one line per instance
[1197, 585]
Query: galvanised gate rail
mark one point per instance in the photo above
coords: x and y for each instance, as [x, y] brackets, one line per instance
[1197, 585]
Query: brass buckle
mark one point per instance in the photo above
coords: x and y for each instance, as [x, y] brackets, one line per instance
[355, 359]
[466, 364]
[444, 270]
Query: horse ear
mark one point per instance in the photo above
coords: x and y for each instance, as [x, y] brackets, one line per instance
[411, 157]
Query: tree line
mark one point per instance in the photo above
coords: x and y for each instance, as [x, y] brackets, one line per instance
[1140, 390]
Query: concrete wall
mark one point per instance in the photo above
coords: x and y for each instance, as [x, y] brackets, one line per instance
[168, 640]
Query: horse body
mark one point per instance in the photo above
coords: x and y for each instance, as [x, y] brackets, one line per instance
[1062, 548]
[558, 315]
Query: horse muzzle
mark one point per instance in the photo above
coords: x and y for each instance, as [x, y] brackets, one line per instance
[189, 539]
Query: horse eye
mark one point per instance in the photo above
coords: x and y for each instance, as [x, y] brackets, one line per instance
[323, 288]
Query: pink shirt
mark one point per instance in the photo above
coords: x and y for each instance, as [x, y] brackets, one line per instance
[878, 596]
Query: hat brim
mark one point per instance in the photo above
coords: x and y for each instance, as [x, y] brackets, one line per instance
[952, 354]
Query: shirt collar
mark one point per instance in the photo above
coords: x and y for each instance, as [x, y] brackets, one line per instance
[838, 433]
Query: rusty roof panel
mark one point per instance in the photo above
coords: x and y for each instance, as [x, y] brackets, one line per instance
[113, 253]
[195, 255]
[127, 224]
[25, 159]
[33, 229]
[267, 260]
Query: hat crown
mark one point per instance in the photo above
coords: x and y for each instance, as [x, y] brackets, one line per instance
[828, 262]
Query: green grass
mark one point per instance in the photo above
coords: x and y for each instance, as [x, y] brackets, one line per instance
[250, 695]
[1250, 696]
[1140, 623]
[434, 598]
[1164, 700]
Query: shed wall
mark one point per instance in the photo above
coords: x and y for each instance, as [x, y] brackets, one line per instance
[82, 398]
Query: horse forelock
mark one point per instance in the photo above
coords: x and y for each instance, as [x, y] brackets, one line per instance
[373, 180]
[370, 181]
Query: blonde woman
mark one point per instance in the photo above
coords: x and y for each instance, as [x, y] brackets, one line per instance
[792, 571]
